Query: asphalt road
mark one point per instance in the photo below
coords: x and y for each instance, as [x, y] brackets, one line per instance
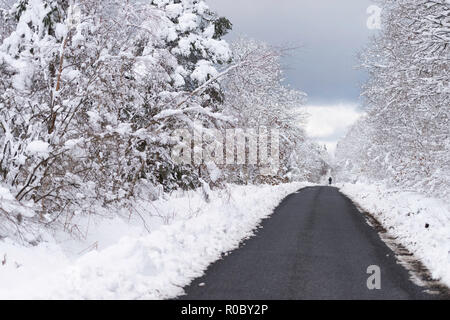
[316, 245]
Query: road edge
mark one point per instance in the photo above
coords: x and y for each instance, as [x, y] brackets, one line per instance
[418, 271]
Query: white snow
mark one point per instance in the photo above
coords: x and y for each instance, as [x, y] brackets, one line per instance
[5, 194]
[174, 10]
[38, 147]
[10, 207]
[120, 259]
[187, 22]
[69, 144]
[60, 30]
[405, 215]
[94, 117]
[70, 74]
[203, 69]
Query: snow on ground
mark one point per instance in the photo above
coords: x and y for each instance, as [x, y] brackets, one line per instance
[39, 147]
[419, 223]
[123, 258]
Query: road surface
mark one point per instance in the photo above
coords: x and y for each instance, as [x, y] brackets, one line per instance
[316, 245]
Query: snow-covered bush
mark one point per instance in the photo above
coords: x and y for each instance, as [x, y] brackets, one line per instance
[87, 109]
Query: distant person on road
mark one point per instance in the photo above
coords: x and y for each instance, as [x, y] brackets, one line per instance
[330, 180]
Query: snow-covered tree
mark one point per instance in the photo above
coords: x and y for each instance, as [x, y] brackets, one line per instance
[91, 93]
[87, 109]
[407, 96]
[194, 38]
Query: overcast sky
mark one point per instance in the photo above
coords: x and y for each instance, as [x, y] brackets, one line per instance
[330, 33]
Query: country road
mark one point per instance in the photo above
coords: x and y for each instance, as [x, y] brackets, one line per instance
[317, 245]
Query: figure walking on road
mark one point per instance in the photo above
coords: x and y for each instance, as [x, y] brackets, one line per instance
[330, 180]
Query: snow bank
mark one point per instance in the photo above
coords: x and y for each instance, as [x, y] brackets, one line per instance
[120, 259]
[419, 223]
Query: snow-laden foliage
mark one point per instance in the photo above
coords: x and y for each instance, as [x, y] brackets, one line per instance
[256, 97]
[86, 111]
[5, 23]
[193, 37]
[91, 93]
[405, 138]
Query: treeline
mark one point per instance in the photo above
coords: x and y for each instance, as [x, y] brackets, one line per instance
[404, 139]
[91, 94]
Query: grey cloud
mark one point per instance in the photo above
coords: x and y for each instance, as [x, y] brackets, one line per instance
[330, 33]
